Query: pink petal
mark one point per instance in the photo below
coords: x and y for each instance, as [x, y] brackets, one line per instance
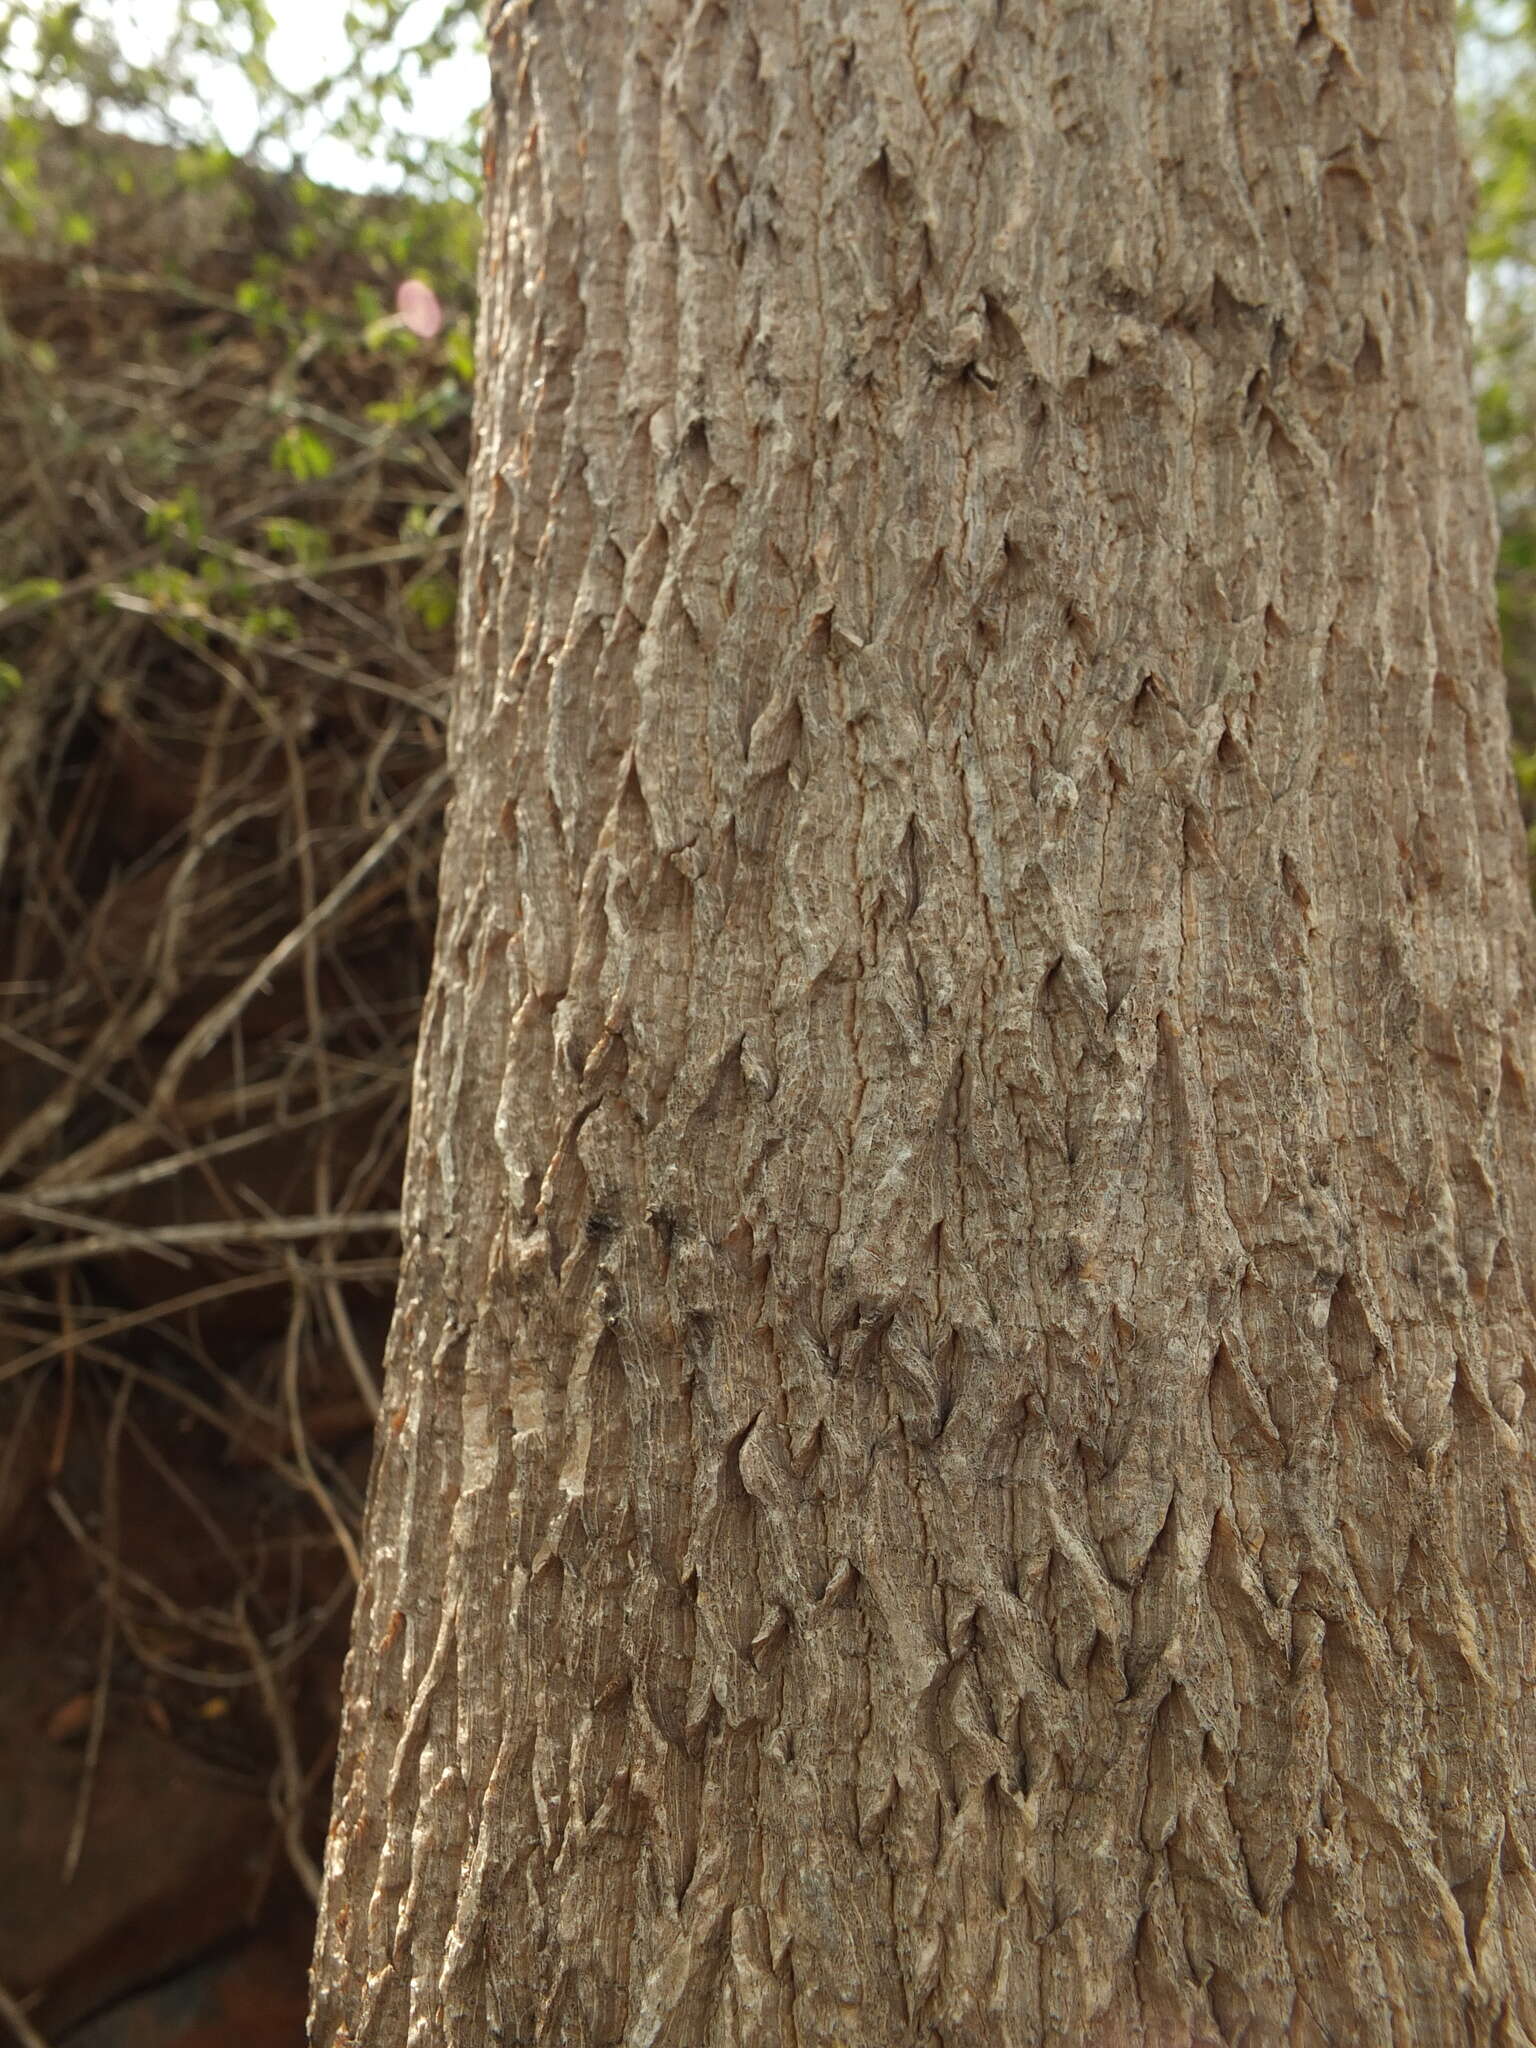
[419, 308]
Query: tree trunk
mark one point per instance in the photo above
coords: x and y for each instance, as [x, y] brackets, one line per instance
[954, 1467]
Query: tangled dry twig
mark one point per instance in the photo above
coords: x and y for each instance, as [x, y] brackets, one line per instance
[221, 786]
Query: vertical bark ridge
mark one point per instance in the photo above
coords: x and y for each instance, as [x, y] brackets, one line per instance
[954, 1466]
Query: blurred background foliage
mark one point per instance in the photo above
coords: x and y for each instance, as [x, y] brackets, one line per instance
[137, 141]
[236, 88]
[305, 88]
[1498, 108]
[236, 362]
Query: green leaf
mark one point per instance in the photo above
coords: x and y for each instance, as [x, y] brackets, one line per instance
[386, 333]
[31, 590]
[434, 600]
[459, 353]
[178, 518]
[302, 453]
[305, 544]
[268, 622]
[169, 590]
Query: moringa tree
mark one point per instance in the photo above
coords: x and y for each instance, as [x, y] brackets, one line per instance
[954, 1465]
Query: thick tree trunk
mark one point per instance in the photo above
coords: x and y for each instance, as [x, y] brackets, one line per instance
[955, 1467]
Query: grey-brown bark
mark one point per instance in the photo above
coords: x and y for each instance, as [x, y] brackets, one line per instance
[955, 1466]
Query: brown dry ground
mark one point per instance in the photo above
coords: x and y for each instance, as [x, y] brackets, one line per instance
[218, 837]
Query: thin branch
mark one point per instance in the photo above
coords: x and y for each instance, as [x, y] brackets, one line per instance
[205, 1035]
[164, 1243]
[164, 1311]
[14, 2014]
[102, 1689]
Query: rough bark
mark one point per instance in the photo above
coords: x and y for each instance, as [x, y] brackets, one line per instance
[955, 1466]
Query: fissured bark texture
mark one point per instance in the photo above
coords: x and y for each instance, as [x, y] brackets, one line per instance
[955, 1466]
